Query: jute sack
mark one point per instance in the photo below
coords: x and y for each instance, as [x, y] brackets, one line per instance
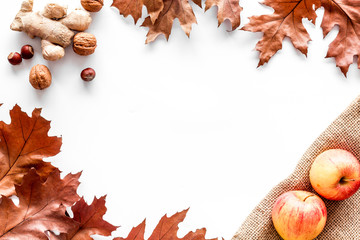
[343, 216]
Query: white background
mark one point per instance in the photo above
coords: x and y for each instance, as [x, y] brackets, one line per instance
[178, 124]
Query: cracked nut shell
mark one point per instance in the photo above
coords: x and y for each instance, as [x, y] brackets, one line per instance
[84, 43]
[40, 77]
[92, 5]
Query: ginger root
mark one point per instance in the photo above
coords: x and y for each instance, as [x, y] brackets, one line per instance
[54, 11]
[56, 35]
[52, 52]
[78, 20]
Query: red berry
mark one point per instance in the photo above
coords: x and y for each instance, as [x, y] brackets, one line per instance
[88, 74]
[27, 52]
[14, 58]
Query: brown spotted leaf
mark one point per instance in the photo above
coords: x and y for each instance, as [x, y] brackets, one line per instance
[134, 8]
[23, 145]
[167, 229]
[286, 21]
[41, 208]
[227, 9]
[173, 9]
[346, 15]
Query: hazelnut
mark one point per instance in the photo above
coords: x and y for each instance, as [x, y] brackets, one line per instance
[27, 52]
[88, 74]
[14, 58]
[40, 77]
[92, 5]
[84, 43]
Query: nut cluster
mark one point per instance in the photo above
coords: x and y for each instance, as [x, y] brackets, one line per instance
[84, 43]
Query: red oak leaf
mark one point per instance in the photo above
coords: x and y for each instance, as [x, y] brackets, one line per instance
[346, 15]
[286, 21]
[90, 220]
[137, 233]
[180, 9]
[227, 9]
[197, 2]
[166, 229]
[134, 8]
[23, 145]
[41, 208]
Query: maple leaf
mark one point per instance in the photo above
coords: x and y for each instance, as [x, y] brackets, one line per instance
[23, 145]
[166, 229]
[345, 14]
[134, 8]
[227, 9]
[41, 208]
[286, 21]
[180, 9]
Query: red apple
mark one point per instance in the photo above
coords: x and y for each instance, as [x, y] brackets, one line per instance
[299, 215]
[335, 174]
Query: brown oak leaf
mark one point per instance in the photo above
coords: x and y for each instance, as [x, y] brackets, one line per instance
[227, 9]
[346, 15]
[166, 229]
[90, 220]
[286, 21]
[134, 8]
[197, 2]
[173, 9]
[23, 145]
[41, 208]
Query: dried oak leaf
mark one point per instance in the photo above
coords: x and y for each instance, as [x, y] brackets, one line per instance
[89, 220]
[134, 8]
[286, 21]
[41, 208]
[180, 9]
[346, 15]
[227, 9]
[166, 229]
[23, 145]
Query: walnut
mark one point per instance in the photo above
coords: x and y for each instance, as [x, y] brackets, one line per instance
[92, 5]
[84, 43]
[40, 77]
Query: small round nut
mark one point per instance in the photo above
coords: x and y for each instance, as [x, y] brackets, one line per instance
[92, 5]
[40, 77]
[88, 74]
[14, 58]
[27, 52]
[84, 43]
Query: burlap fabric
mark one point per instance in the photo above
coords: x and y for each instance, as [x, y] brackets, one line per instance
[343, 216]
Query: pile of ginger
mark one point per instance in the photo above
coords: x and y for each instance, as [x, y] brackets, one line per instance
[53, 25]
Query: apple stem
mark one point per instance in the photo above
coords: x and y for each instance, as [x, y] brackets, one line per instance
[348, 180]
[308, 197]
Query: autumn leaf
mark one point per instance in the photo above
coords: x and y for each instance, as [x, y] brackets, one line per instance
[286, 21]
[197, 2]
[23, 145]
[227, 9]
[173, 9]
[137, 233]
[41, 208]
[346, 15]
[134, 8]
[166, 229]
[90, 220]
